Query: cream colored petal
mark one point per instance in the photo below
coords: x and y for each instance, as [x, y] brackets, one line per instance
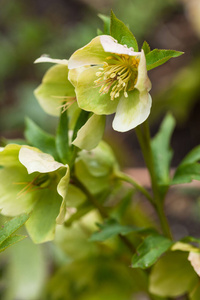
[143, 82]
[44, 58]
[74, 74]
[54, 89]
[132, 111]
[36, 161]
[62, 189]
[91, 133]
[91, 54]
[110, 45]
[9, 155]
[194, 259]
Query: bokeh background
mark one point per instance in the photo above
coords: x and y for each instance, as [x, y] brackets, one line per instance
[30, 28]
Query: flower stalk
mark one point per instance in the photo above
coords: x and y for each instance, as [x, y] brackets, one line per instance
[143, 135]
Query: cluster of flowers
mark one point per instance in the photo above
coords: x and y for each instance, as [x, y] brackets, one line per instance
[103, 78]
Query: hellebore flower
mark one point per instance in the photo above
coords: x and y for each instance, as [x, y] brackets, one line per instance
[33, 182]
[56, 91]
[110, 78]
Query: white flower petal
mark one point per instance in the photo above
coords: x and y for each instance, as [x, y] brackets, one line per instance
[44, 58]
[91, 54]
[143, 82]
[36, 161]
[132, 111]
[110, 45]
[194, 259]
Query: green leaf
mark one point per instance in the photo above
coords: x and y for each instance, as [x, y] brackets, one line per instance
[62, 138]
[162, 153]
[189, 168]
[40, 139]
[110, 229]
[121, 33]
[192, 157]
[186, 173]
[146, 48]
[106, 21]
[91, 133]
[172, 275]
[11, 226]
[150, 250]
[11, 241]
[158, 57]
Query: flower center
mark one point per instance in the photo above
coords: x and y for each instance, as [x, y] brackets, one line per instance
[118, 74]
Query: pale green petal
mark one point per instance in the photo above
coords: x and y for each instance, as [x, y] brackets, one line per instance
[62, 191]
[91, 54]
[17, 196]
[88, 95]
[74, 74]
[91, 133]
[132, 111]
[73, 113]
[42, 222]
[9, 155]
[143, 83]
[55, 89]
[48, 59]
[36, 161]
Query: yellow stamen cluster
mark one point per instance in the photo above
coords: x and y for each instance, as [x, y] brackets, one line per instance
[118, 74]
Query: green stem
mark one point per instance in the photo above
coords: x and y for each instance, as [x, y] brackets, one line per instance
[130, 180]
[144, 139]
[103, 212]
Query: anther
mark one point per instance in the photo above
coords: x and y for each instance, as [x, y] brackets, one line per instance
[113, 75]
[98, 74]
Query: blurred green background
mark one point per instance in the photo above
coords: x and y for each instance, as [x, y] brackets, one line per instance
[30, 28]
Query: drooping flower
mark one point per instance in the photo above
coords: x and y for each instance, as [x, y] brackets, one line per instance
[33, 182]
[56, 92]
[111, 78]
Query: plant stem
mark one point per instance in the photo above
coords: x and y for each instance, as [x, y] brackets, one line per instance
[144, 139]
[103, 212]
[130, 180]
